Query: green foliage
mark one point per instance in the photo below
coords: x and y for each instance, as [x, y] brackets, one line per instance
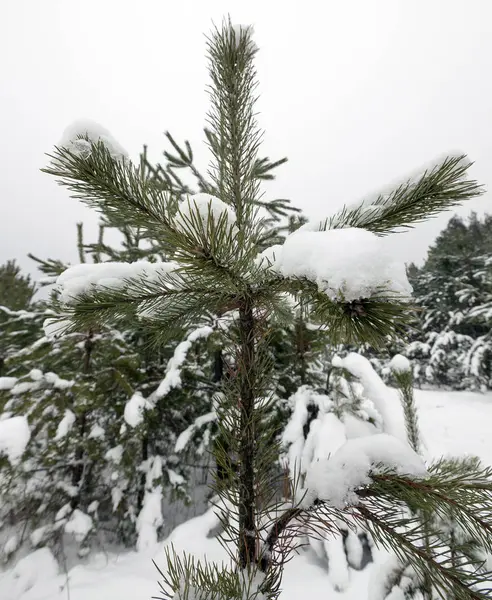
[216, 275]
[16, 290]
[452, 345]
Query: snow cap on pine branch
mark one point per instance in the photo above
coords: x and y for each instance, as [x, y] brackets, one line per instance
[82, 279]
[73, 139]
[335, 480]
[346, 264]
[400, 364]
[207, 208]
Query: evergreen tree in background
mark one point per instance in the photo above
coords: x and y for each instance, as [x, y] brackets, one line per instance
[452, 345]
[19, 325]
[16, 290]
[218, 271]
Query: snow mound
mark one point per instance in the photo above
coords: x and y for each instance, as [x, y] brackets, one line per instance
[85, 278]
[73, 134]
[335, 480]
[14, 437]
[346, 264]
[36, 567]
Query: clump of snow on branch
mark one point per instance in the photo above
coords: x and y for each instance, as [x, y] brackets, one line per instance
[79, 525]
[400, 364]
[65, 425]
[7, 383]
[346, 264]
[391, 581]
[73, 139]
[327, 432]
[208, 210]
[134, 409]
[384, 399]
[86, 278]
[96, 432]
[172, 379]
[186, 435]
[10, 545]
[150, 517]
[14, 437]
[335, 480]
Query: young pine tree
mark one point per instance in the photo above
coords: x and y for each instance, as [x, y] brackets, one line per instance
[215, 241]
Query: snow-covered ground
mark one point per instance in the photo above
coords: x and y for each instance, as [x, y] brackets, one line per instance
[453, 423]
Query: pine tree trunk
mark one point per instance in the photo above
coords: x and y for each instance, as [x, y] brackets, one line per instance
[247, 500]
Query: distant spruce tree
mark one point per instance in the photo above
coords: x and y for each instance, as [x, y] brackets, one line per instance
[452, 341]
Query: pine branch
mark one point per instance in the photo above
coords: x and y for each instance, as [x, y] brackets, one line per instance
[438, 189]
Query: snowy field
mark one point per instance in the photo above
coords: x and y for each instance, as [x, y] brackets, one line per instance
[455, 423]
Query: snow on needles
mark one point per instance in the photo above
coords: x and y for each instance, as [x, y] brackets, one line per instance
[73, 139]
[208, 209]
[400, 364]
[384, 399]
[134, 409]
[346, 264]
[82, 279]
[14, 437]
[172, 378]
[65, 425]
[335, 480]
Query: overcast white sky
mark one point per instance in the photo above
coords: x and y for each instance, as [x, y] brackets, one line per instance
[357, 94]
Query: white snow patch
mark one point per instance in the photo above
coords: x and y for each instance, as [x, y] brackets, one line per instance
[57, 382]
[22, 388]
[7, 383]
[400, 364]
[336, 479]
[36, 374]
[175, 479]
[209, 210]
[65, 425]
[96, 432]
[134, 409]
[185, 436]
[150, 517]
[35, 568]
[172, 379]
[346, 264]
[14, 437]
[86, 278]
[384, 399]
[79, 525]
[11, 545]
[39, 534]
[73, 134]
[115, 454]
